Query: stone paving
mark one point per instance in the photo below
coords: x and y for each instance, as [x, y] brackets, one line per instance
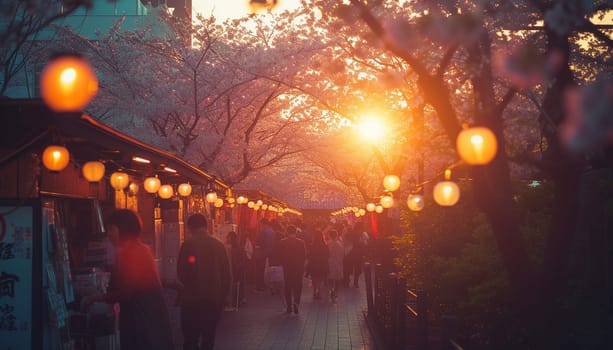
[263, 324]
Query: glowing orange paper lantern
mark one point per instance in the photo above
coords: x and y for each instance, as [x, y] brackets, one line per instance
[133, 188]
[477, 146]
[370, 207]
[119, 180]
[211, 197]
[93, 171]
[415, 202]
[391, 182]
[152, 184]
[446, 193]
[165, 191]
[185, 189]
[55, 158]
[68, 83]
[387, 201]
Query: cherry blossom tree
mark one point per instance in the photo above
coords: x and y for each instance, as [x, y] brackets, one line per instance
[216, 95]
[474, 52]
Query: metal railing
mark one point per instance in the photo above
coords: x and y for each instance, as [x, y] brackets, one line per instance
[400, 316]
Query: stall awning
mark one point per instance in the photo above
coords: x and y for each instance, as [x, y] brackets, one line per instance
[30, 124]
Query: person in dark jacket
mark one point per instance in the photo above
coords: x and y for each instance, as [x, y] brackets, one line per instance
[204, 271]
[144, 322]
[264, 245]
[292, 255]
[238, 264]
[317, 265]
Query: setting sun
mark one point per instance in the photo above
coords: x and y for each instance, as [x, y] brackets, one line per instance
[371, 128]
[229, 9]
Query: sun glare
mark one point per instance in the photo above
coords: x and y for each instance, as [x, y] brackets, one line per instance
[230, 9]
[371, 128]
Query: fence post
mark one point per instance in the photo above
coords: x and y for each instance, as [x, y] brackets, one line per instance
[378, 294]
[389, 323]
[422, 320]
[401, 292]
[369, 285]
[449, 330]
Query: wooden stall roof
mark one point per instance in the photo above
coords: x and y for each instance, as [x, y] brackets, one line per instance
[29, 124]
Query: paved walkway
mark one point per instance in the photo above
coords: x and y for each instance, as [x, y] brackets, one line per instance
[263, 323]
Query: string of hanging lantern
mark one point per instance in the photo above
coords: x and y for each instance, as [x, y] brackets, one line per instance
[68, 83]
[475, 146]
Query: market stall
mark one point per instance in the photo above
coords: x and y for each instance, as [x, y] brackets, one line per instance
[53, 245]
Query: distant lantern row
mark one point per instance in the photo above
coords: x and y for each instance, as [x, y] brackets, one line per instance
[446, 193]
[260, 205]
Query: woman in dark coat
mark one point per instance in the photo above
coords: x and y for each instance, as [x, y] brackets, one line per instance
[317, 265]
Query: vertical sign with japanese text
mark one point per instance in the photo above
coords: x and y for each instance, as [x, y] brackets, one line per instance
[16, 277]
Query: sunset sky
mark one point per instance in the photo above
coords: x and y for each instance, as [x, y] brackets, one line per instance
[224, 9]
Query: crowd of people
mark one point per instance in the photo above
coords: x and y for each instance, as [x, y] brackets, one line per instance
[329, 254]
[213, 274]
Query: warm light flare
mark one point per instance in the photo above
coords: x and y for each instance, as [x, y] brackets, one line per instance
[371, 128]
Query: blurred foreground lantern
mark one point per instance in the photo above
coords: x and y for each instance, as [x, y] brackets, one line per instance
[242, 200]
[415, 202]
[391, 182]
[152, 184]
[211, 197]
[446, 193]
[68, 83]
[165, 191]
[251, 204]
[119, 180]
[477, 146]
[185, 189]
[370, 207]
[379, 209]
[55, 158]
[93, 171]
[218, 203]
[387, 200]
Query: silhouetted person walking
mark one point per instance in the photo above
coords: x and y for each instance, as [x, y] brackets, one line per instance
[317, 266]
[335, 263]
[292, 255]
[204, 270]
